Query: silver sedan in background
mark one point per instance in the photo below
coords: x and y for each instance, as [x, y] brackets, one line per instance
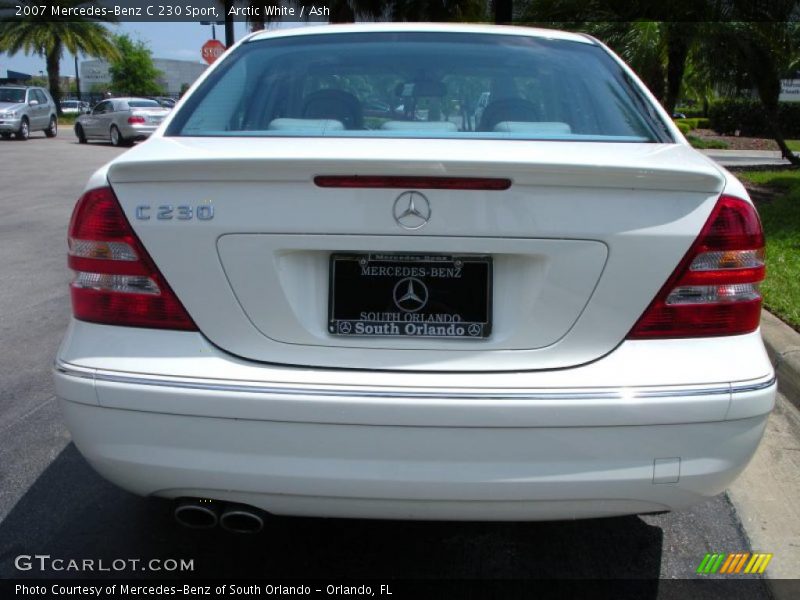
[122, 121]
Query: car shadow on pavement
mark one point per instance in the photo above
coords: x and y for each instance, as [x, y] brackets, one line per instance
[72, 513]
[33, 136]
[94, 144]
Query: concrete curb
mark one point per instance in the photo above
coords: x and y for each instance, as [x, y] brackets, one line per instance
[783, 347]
[765, 494]
[747, 159]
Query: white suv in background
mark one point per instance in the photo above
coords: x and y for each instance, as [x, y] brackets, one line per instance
[26, 109]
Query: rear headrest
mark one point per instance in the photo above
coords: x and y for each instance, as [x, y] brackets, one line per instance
[419, 126]
[551, 127]
[306, 125]
[334, 104]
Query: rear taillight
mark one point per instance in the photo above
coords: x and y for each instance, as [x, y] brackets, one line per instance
[714, 290]
[116, 282]
[135, 120]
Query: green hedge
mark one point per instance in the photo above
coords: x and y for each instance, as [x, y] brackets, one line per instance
[747, 116]
[694, 123]
[684, 127]
[690, 113]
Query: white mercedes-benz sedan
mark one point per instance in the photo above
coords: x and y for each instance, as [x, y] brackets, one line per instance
[333, 284]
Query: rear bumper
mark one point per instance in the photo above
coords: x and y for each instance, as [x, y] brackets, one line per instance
[137, 132]
[399, 447]
[484, 473]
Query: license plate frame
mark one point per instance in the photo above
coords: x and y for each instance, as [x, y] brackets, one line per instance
[399, 292]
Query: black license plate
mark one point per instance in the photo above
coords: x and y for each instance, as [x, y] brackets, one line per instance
[410, 295]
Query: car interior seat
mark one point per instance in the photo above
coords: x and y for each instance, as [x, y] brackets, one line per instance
[507, 109]
[337, 105]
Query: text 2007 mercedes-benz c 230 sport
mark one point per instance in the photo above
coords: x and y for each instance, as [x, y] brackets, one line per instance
[328, 285]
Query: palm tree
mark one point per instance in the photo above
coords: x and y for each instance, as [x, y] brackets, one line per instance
[48, 38]
[348, 11]
[658, 51]
[503, 11]
[699, 83]
[641, 44]
[766, 52]
[257, 23]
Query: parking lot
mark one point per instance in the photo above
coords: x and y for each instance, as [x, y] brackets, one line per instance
[52, 502]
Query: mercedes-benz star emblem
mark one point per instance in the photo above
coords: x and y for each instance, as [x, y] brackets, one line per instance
[412, 210]
[410, 294]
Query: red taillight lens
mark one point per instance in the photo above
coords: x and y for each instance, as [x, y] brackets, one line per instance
[116, 282]
[135, 120]
[714, 290]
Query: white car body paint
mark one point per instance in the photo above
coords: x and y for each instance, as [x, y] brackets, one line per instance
[556, 415]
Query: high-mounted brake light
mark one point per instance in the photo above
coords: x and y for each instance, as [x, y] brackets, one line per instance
[714, 290]
[116, 282]
[491, 184]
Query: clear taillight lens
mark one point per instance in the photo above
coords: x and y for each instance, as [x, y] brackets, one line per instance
[715, 288]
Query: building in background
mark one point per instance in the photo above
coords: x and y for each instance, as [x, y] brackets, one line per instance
[15, 78]
[66, 83]
[176, 75]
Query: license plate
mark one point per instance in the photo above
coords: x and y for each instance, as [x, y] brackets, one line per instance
[410, 295]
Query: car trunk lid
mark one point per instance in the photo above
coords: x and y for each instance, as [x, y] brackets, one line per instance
[579, 243]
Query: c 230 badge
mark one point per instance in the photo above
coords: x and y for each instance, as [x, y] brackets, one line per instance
[181, 212]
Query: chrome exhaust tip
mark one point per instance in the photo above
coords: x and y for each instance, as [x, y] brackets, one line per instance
[195, 513]
[238, 518]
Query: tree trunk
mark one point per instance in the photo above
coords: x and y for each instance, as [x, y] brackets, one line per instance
[773, 121]
[77, 79]
[229, 37]
[503, 11]
[341, 12]
[256, 23]
[677, 53]
[53, 60]
[766, 79]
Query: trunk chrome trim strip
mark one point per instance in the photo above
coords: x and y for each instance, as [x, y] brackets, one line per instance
[622, 393]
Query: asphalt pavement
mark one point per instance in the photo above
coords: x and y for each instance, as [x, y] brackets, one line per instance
[52, 502]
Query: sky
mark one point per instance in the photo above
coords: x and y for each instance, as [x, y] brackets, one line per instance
[167, 40]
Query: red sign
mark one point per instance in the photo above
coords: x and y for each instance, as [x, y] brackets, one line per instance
[212, 50]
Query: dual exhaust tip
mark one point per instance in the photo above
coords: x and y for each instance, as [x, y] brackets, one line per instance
[196, 513]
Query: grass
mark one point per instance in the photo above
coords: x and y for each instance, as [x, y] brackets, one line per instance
[794, 145]
[697, 142]
[67, 120]
[695, 123]
[780, 216]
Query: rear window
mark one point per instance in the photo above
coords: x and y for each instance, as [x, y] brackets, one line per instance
[143, 104]
[420, 85]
